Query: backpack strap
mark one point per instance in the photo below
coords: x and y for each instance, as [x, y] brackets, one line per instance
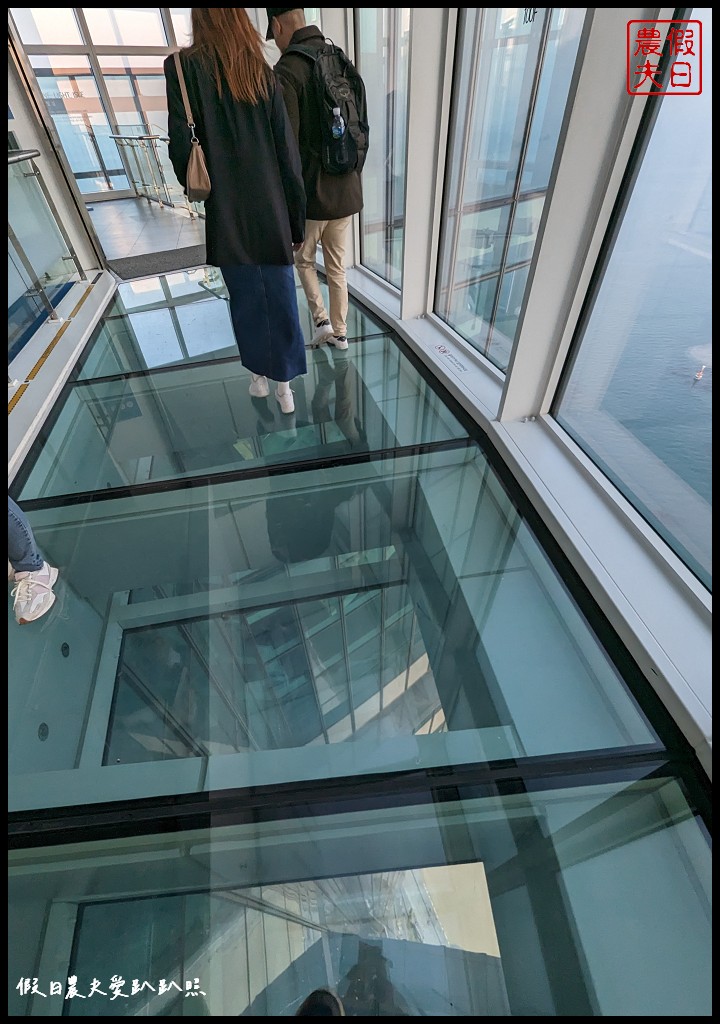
[304, 50]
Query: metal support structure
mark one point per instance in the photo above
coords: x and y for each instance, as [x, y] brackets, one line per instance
[30, 271]
[29, 155]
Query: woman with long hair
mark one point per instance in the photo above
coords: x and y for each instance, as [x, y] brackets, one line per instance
[255, 214]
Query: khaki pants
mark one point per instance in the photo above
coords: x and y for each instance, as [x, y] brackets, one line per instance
[332, 235]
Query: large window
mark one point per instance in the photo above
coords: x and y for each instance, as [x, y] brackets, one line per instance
[514, 66]
[637, 396]
[100, 73]
[93, 90]
[383, 35]
[70, 89]
[125, 26]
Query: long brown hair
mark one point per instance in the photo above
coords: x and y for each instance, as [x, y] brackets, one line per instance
[229, 44]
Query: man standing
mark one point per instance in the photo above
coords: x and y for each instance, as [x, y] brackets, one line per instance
[332, 199]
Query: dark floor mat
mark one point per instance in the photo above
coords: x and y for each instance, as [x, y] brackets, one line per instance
[147, 264]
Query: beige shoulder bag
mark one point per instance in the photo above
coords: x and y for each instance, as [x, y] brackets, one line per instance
[197, 179]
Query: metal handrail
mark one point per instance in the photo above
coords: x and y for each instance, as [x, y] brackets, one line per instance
[149, 183]
[156, 188]
[29, 155]
[17, 156]
[132, 138]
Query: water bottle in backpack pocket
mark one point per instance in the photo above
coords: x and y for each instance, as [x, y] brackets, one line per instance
[338, 155]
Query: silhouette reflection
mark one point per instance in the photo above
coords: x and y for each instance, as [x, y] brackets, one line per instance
[367, 990]
[341, 373]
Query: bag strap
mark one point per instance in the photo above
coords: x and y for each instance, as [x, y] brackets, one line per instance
[328, 48]
[186, 98]
[305, 51]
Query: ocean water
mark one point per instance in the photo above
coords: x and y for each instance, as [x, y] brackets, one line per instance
[653, 391]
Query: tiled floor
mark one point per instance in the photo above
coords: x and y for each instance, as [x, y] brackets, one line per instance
[321, 703]
[135, 227]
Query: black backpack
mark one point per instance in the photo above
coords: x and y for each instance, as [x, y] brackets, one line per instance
[336, 83]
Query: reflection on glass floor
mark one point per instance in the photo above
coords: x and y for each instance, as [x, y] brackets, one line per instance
[180, 318]
[250, 607]
[401, 604]
[570, 901]
[200, 420]
[304, 672]
[160, 394]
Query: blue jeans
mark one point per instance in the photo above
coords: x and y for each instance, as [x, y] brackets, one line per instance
[23, 553]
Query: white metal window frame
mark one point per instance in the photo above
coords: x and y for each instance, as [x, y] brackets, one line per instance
[657, 606]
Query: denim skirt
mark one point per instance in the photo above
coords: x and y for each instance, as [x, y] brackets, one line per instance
[265, 319]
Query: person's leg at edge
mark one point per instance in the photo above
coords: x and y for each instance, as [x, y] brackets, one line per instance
[307, 272]
[33, 577]
[23, 552]
[334, 242]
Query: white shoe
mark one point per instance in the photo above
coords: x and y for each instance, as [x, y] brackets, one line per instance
[338, 341]
[11, 572]
[285, 401]
[32, 593]
[323, 329]
[259, 387]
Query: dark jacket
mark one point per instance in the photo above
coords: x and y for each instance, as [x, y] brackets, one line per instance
[329, 196]
[257, 206]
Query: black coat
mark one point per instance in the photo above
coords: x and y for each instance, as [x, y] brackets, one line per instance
[257, 206]
[329, 196]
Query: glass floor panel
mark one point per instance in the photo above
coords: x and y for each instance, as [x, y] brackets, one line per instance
[192, 421]
[327, 623]
[182, 318]
[320, 701]
[588, 900]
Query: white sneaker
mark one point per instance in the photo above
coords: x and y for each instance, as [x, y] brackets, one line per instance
[285, 401]
[322, 330]
[11, 572]
[338, 341]
[259, 387]
[32, 593]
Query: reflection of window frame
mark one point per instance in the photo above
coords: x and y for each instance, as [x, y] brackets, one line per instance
[278, 683]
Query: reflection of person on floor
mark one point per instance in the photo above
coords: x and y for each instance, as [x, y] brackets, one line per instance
[337, 373]
[300, 526]
[367, 990]
[33, 578]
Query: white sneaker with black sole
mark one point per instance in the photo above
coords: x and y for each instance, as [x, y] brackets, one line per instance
[323, 328]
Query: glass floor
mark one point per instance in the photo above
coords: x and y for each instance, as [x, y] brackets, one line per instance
[320, 702]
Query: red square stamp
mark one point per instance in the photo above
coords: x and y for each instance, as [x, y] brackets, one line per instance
[646, 43]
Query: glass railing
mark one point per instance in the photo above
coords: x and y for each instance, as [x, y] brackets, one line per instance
[42, 264]
[151, 173]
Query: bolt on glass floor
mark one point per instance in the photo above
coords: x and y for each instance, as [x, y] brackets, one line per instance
[348, 600]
